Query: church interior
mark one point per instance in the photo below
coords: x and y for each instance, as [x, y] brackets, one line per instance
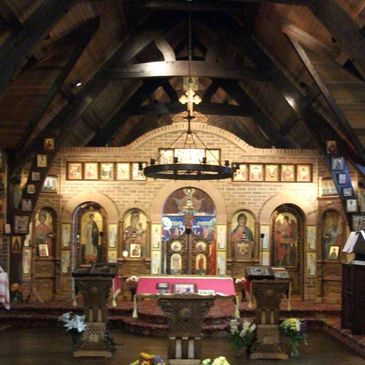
[201, 153]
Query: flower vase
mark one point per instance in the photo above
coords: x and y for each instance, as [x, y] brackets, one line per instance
[75, 337]
[294, 349]
[240, 352]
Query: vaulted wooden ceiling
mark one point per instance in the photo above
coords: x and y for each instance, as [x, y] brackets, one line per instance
[283, 73]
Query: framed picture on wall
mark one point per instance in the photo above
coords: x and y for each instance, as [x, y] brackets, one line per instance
[43, 250]
[338, 163]
[50, 185]
[26, 205]
[35, 176]
[26, 261]
[347, 192]
[358, 222]
[166, 156]
[311, 237]
[333, 253]
[16, 244]
[331, 147]
[135, 250]
[65, 261]
[107, 171]
[41, 160]
[351, 205]
[287, 173]
[328, 186]
[137, 174]
[342, 179]
[304, 173]
[66, 234]
[48, 144]
[91, 171]
[256, 172]
[123, 171]
[74, 170]
[240, 174]
[21, 223]
[30, 189]
[271, 172]
[112, 235]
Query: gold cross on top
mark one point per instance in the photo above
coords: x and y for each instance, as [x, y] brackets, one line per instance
[190, 99]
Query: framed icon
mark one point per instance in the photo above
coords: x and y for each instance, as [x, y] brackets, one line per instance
[43, 250]
[107, 171]
[347, 192]
[333, 253]
[50, 184]
[21, 224]
[256, 172]
[338, 163]
[311, 264]
[304, 173]
[35, 176]
[331, 147]
[48, 144]
[16, 244]
[328, 186]
[241, 174]
[176, 246]
[184, 288]
[287, 173]
[358, 222]
[26, 205]
[271, 172]
[91, 171]
[135, 250]
[66, 234]
[30, 189]
[137, 173]
[41, 160]
[166, 156]
[123, 171]
[74, 170]
[351, 205]
[342, 179]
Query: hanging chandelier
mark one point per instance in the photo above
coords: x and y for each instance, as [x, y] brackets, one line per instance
[204, 163]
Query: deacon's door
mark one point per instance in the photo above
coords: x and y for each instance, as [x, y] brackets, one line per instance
[287, 243]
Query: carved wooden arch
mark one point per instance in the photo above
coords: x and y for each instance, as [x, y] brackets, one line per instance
[306, 207]
[160, 198]
[90, 196]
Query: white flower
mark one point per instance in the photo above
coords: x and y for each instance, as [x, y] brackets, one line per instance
[73, 322]
[65, 317]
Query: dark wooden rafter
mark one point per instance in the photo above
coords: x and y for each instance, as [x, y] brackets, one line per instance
[165, 48]
[84, 34]
[204, 5]
[169, 90]
[124, 52]
[248, 136]
[185, 68]
[19, 45]
[342, 28]
[9, 17]
[204, 107]
[237, 93]
[329, 98]
[210, 91]
[105, 134]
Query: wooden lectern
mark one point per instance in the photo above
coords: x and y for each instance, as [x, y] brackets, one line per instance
[185, 313]
[95, 285]
[268, 294]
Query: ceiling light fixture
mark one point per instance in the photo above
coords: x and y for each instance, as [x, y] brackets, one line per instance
[197, 166]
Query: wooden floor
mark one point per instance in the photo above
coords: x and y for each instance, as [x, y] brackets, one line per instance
[47, 346]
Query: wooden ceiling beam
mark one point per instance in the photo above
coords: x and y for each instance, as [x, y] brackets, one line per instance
[210, 91]
[169, 90]
[15, 49]
[205, 108]
[340, 116]
[185, 68]
[105, 134]
[124, 52]
[343, 29]
[8, 16]
[84, 33]
[165, 48]
[268, 127]
[205, 5]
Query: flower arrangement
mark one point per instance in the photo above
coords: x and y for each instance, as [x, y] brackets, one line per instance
[242, 334]
[74, 324]
[149, 359]
[16, 292]
[293, 329]
[221, 360]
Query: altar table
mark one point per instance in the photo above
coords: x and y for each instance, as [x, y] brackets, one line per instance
[223, 286]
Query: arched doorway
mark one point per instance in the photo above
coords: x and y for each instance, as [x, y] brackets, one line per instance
[89, 241]
[287, 243]
[188, 233]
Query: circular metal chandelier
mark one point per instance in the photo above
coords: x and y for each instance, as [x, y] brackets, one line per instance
[189, 171]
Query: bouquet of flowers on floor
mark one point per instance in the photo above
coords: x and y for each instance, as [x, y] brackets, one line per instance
[242, 334]
[149, 359]
[74, 323]
[221, 360]
[132, 282]
[293, 329]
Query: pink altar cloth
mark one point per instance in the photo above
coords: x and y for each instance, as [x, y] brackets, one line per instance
[222, 285]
